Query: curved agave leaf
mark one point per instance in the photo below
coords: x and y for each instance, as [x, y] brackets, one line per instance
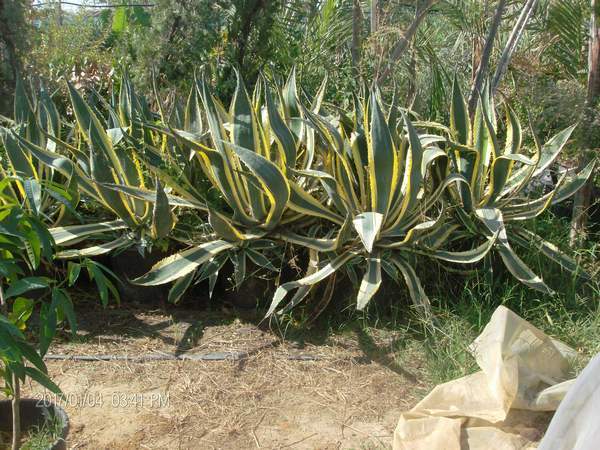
[415, 289]
[526, 238]
[309, 280]
[272, 180]
[492, 218]
[223, 227]
[370, 283]
[545, 156]
[180, 264]
[96, 250]
[65, 235]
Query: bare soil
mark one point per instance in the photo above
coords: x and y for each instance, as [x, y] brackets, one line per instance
[321, 392]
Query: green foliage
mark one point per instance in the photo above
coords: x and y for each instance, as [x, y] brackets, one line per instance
[365, 193]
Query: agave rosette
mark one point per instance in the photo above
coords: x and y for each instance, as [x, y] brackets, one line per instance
[375, 175]
[495, 196]
[251, 155]
[103, 154]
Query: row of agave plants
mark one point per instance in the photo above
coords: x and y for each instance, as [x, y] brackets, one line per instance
[367, 191]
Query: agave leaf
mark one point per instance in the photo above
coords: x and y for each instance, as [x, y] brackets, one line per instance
[466, 257]
[20, 164]
[302, 202]
[368, 225]
[492, 218]
[383, 162]
[527, 239]
[576, 183]
[545, 156]
[96, 250]
[244, 133]
[501, 169]
[62, 235]
[531, 209]
[192, 118]
[272, 180]
[309, 280]
[284, 136]
[415, 289]
[520, 271]
[162, 217]
[413, 176]
[223, 227]
[370, 283]
[180, 287]
[149, 196]
[303, 291]
[180, 264]
[460, 125]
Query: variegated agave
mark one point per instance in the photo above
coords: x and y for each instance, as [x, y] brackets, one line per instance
[375, 172]
[40, 189]
[100, 154]
[253, 156]
[494, 199]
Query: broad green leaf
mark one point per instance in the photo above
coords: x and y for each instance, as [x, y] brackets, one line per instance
[24, 285]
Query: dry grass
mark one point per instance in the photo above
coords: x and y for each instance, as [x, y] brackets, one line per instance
[349, 395]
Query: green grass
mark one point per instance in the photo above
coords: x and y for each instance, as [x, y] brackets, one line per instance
[42, 437]
[463, 305]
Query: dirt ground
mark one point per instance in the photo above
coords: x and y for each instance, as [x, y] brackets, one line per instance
[339, 391]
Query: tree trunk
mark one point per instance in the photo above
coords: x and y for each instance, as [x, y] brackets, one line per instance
[512, 42]
[374, 15]
[582, 200]
[485, 56]
[404, 41]
[356, 36]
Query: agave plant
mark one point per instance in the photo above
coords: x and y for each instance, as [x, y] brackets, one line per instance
[42, 190]
[104, 153]
[495, 197]
[376, 172]
[252, 155]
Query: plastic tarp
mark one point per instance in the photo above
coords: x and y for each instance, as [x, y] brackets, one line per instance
[523, 375]
[576, 424]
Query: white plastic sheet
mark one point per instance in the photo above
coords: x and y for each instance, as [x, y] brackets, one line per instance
[523, 373]
[576, 424]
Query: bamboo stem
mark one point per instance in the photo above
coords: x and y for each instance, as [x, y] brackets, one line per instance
[16, 413]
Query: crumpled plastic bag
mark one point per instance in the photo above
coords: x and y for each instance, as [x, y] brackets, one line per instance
[523, 374]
